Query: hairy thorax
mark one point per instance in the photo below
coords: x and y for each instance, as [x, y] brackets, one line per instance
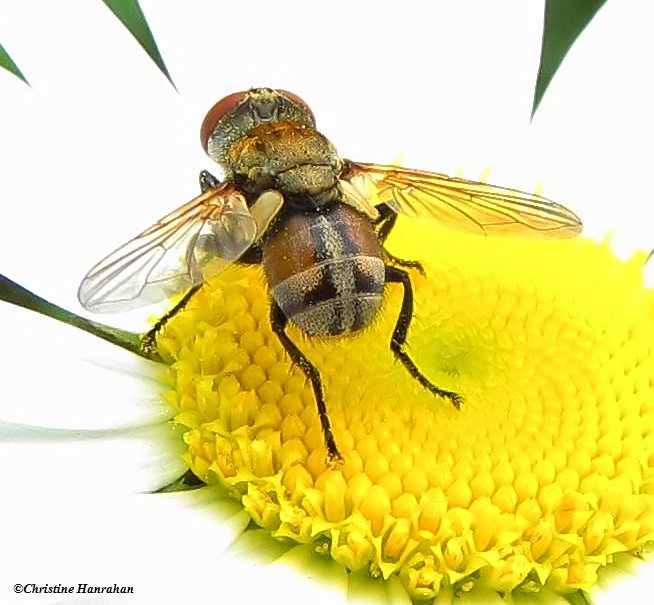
[288, 156]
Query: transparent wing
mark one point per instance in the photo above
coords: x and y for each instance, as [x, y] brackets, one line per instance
[462, 204]
[182, 249]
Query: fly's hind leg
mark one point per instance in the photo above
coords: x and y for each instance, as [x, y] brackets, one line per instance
[393, 274]
[278, 322]
[386, 222]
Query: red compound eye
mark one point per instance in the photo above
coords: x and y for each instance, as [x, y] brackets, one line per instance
[298, 101]
[263, 96]
[217, 113]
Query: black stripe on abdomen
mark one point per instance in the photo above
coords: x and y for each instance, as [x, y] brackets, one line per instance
[336, 296]
[337, 282]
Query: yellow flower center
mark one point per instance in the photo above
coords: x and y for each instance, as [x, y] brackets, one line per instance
[539, 480]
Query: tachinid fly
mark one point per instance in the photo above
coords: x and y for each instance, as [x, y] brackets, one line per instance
[318, 224]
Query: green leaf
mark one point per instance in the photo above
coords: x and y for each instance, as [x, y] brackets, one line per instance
[578, 598]
[15, 294]
[188, 481]
[7, 63]
[130, 14]
[564, 21]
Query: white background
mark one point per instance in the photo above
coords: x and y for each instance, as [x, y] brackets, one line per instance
[101, 144]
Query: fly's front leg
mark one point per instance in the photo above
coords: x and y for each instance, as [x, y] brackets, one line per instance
[149, 339]
[278, 322]
[207, 181]
[386, 222]
[393, 274]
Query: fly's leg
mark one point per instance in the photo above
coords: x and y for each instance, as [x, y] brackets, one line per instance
[386, 222]
[278, 322]
[207, 181]
[149, 339]
[393, 274]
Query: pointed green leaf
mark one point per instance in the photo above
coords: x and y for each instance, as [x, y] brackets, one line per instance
[130, 14]
[564, 21]
[7, 63]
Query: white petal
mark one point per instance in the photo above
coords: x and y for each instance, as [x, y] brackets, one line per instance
[362, 590]
[649, 273]
[77, 462]
[297, 576]
[207, 512]
[397, 594]
[58, 376]
[627, 580]
[162, 544]
[482, 596]
[258, 541]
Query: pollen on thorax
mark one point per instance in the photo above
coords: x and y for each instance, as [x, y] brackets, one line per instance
[542, 477]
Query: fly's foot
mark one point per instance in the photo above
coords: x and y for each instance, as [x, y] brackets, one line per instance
[334, 460]
[454, 398]
[149, 341]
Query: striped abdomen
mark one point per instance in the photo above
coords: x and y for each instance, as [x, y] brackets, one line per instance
[325, 269]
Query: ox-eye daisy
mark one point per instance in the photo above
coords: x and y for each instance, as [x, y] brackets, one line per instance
[539, 483]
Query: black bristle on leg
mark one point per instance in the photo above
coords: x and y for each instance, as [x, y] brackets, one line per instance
[396, 275]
